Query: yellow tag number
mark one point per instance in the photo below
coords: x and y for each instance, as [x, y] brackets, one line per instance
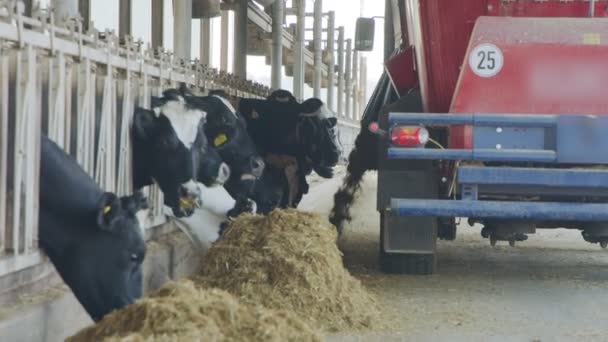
[220, 140]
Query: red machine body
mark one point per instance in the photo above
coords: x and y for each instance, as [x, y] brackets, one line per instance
[441, 32]
[542, 66]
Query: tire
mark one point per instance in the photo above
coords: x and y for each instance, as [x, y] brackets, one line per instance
[405, 263]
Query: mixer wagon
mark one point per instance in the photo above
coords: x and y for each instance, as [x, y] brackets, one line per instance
[501, 118]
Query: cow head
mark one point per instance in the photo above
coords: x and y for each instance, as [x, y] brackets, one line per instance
[282, 95]
[171, 149]
[227, 132]
[100, 261]
[316, 133]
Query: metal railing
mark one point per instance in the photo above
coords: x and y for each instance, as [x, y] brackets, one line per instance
[80, 88]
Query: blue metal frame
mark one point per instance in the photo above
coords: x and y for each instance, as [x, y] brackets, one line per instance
[501, 209]
[570, 138]
[552, 139]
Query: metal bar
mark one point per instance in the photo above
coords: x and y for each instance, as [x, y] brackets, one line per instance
[580, 178]
[32, 155]
[277, 44]
[206, 48]
[97, 55]
[317, 26]
[355, 82]
[4, 86]
[540, 156]
[348, 79]
[57, 112]
[86, 125]
[124, 18]
[239, 67]
[506, 120]
[157, 23]
[84, 7]
[182, 29]
[341, 72]
[105, 153]
[501, 209]
[362, 85]
[125, 175]
[224, 41]
[299, 66]
[331, 69]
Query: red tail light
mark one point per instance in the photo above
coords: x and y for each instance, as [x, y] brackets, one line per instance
[409, 136]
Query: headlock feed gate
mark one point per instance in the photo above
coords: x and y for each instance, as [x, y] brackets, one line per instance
[80, 88]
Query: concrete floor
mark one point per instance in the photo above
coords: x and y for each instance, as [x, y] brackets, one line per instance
[553, 287]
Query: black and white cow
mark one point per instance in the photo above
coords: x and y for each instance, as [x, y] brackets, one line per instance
[227, 132]
[171, 149]
[92, 237]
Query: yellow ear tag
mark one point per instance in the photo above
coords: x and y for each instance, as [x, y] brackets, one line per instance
[219, 140]
[106, 209]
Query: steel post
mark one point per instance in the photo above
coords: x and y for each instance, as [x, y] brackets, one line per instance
[277, 43]
[182, 29]
[317, 38]
[206, 48]
[299, 67]
[224, 42]
[355, 82]
[157, 23]
[341, 71]
[124, 18]
[239, 67]
[348, 78]
[363, 84]
[331, 69]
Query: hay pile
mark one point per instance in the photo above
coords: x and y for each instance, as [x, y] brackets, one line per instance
[290, 260]
[180, 311]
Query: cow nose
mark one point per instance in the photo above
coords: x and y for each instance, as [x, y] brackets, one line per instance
[223, 173]
[189, 196]
[257, 166]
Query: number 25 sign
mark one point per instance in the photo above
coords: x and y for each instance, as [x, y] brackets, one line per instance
[486, 60]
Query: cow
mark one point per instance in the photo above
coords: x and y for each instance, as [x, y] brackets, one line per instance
[170, 148]
[92, 237]
[290, 133]
[227, 132]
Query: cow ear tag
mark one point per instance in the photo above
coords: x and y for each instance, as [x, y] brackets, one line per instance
[219, 140]
[106, 209]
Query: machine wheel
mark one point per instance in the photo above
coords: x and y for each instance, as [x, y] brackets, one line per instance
[404, 263]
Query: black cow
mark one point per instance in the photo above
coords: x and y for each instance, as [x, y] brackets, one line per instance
[171, 149]
[92, 237]
[281, 126]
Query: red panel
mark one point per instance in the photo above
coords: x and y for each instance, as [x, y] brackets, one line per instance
[550, 8]
[446, 27]
[551, 65]
[401, 71]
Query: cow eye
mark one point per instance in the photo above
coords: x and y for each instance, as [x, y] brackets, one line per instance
[134, 257]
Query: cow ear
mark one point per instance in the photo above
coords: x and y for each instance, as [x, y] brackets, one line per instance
[311, 107]
[331, 122]
[109, 209]
[156, 101]
[184, 90]
[134, 203]
[143, 122]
